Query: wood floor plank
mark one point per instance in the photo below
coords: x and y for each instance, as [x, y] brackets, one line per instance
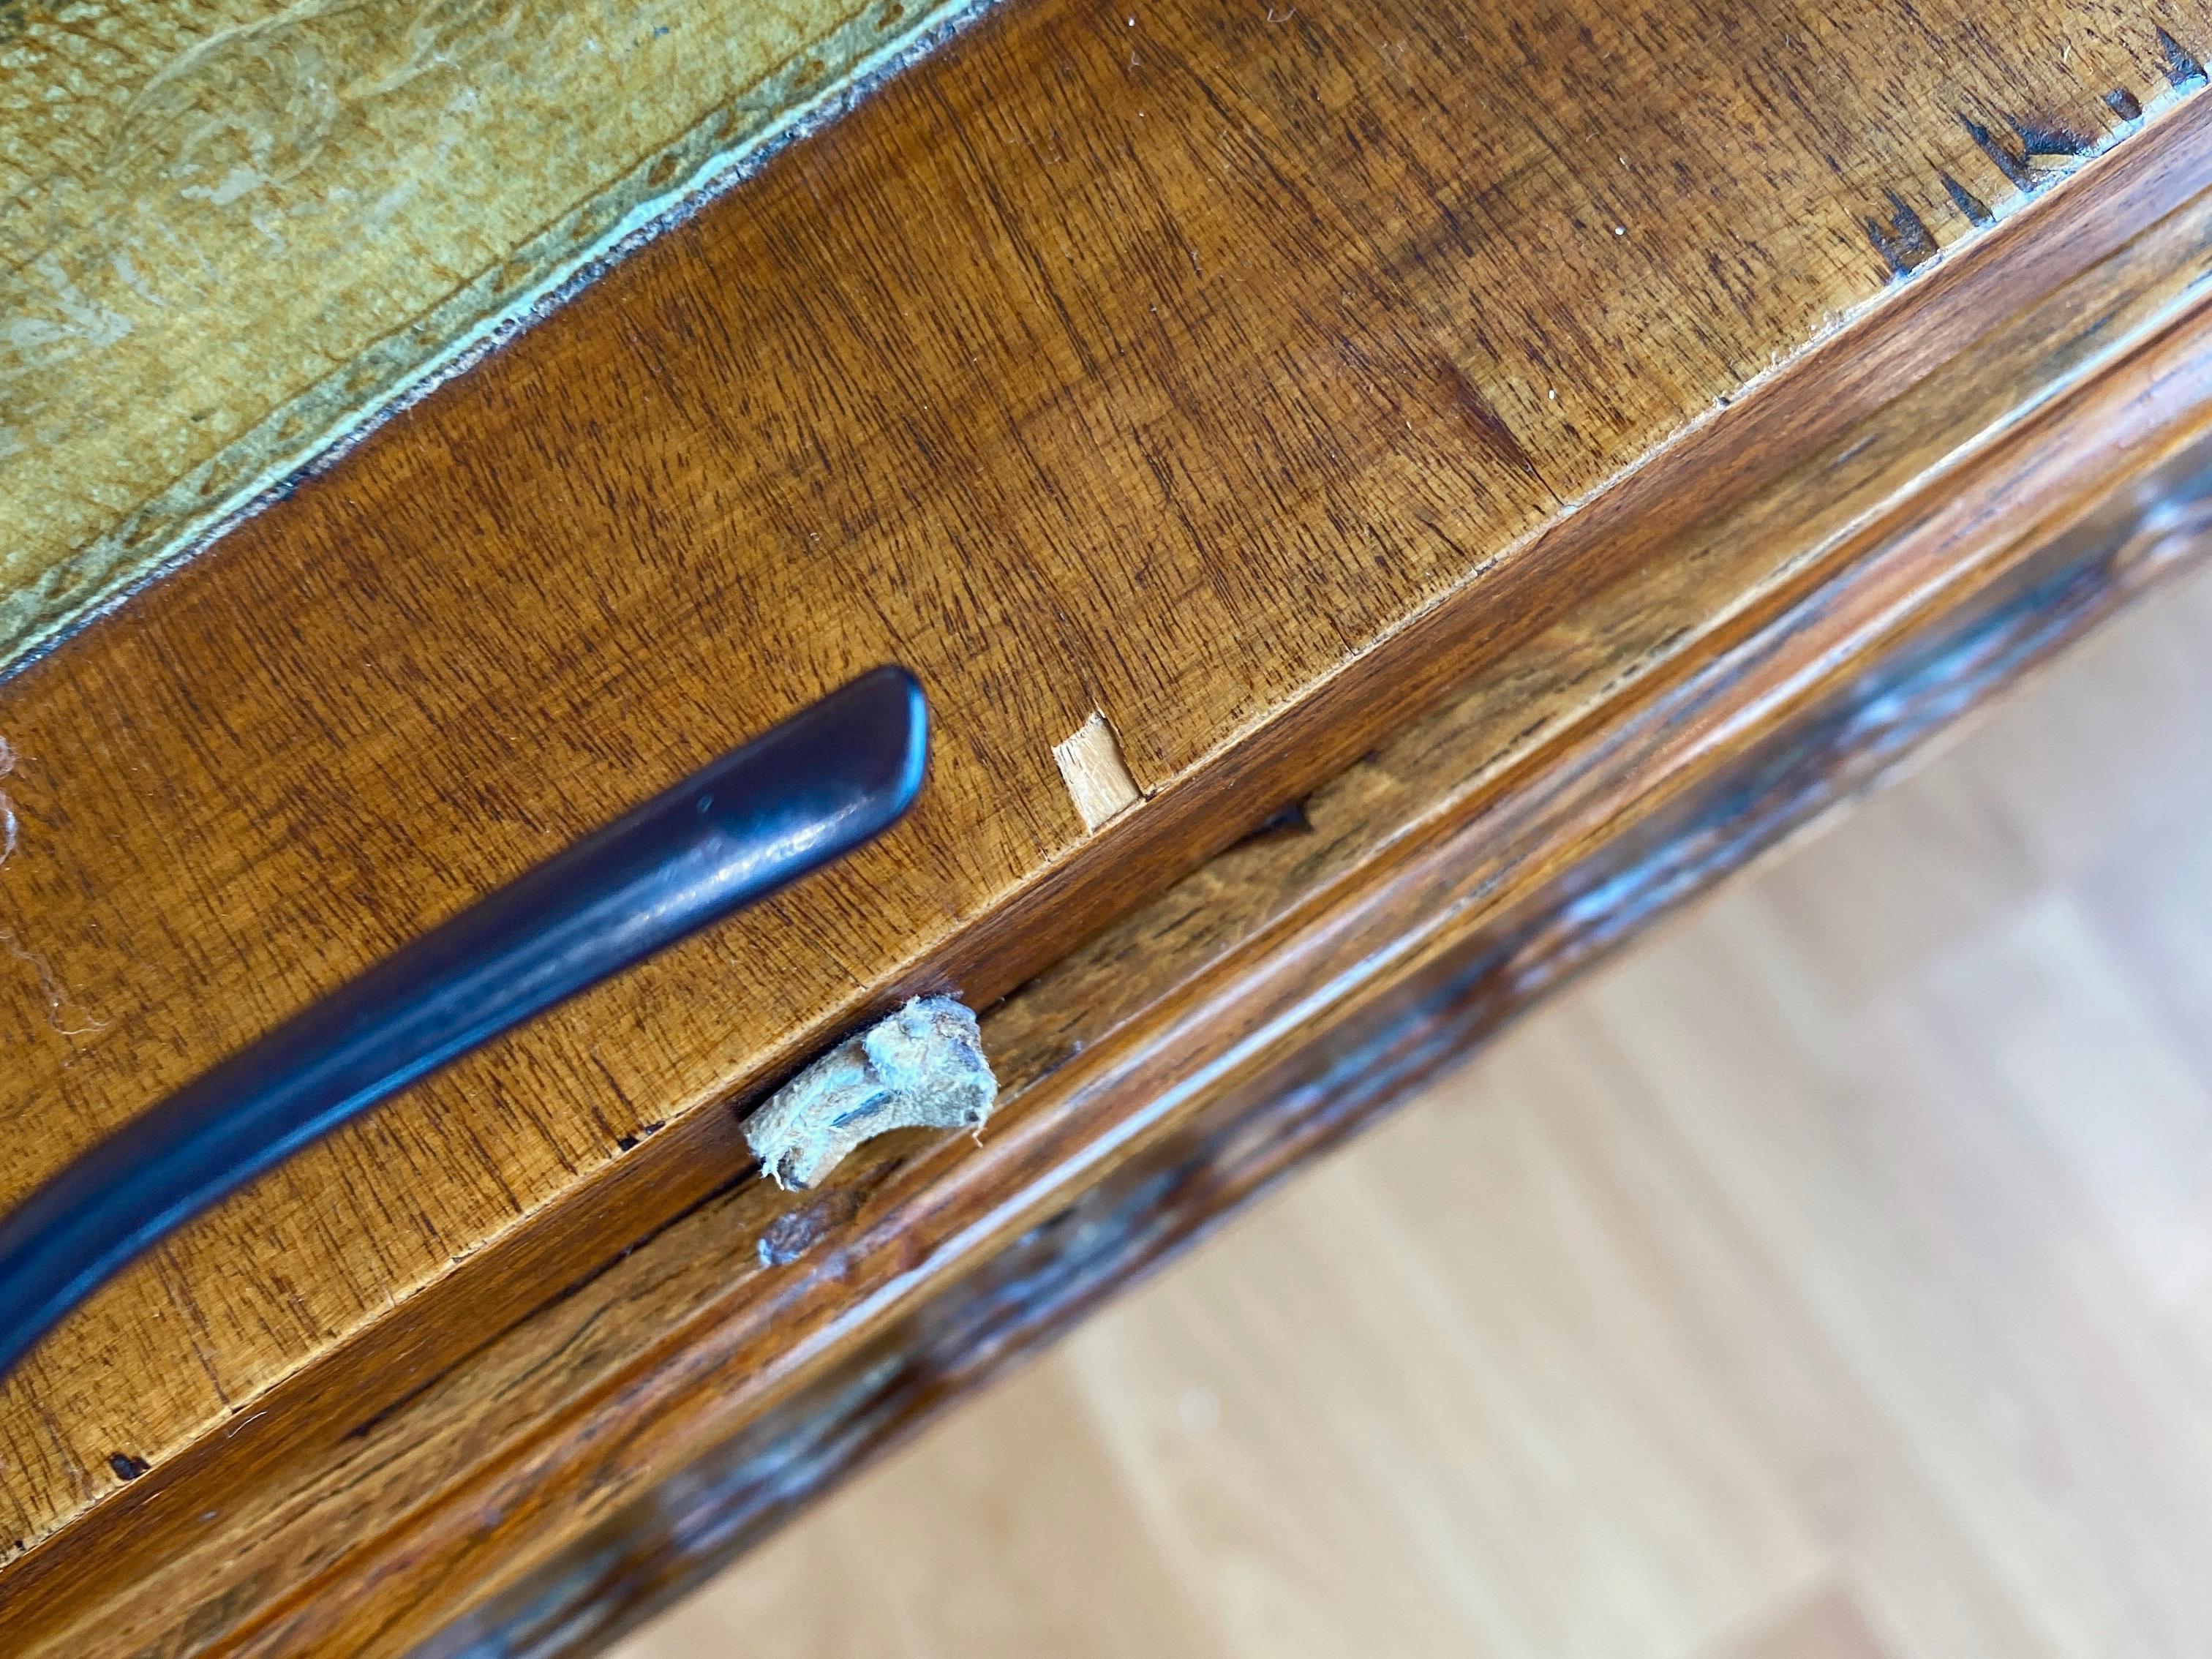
[1062, 1564]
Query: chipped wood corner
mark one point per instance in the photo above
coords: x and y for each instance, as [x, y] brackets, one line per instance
[1098, 777]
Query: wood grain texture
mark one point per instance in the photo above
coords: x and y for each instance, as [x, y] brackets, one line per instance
[1352, 1058]
[1826, 1279]
[1211, 390]
[233, 231]
[363, 1527]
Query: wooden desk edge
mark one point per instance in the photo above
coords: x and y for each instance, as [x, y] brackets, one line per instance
[1273, 1000]
[676, 1533]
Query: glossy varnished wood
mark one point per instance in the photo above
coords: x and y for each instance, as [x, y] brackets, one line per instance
[1200, 370]
[1180, 1189]
[2050, 440]
[1336, 1010]
[1830, 1268]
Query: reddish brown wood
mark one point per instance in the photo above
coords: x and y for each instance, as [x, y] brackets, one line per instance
[1262, 525]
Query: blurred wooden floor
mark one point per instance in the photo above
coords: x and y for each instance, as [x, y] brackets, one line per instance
[1830, 1279]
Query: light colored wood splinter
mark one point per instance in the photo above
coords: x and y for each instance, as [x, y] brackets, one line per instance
[1096, 776]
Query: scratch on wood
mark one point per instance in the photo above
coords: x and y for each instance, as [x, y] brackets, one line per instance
[7, 806]
[2013, 167]
[1493, 436]
[57, 999]
[2043, 142]
[1976, 209]
[2044, 149]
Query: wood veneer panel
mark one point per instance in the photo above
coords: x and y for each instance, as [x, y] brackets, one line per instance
[1212, 389]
